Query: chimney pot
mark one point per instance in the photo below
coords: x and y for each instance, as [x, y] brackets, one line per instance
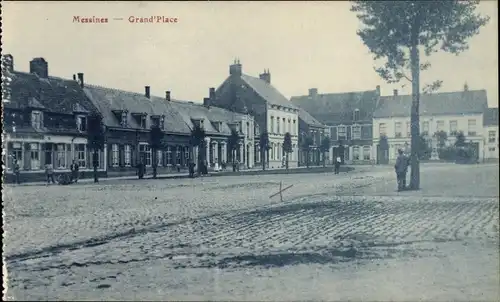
[236, 68]
[313, 92]
[266, 76]
[167, 95]
[395, 92]
[8, 62]
[80, 79]
[147, 90]
[211, 94]
[39, 67]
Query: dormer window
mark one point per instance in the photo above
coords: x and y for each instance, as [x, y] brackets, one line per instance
[155, 121]
[162, 122]
[143, 121]
[123, 120]
[81, 123]
[36, 119]
[355, 114]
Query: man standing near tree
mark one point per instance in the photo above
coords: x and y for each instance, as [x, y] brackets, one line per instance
[401, 167]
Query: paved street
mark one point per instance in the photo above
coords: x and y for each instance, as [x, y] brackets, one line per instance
[334, 237]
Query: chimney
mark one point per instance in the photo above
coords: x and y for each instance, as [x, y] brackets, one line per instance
[74, 77]
[206, 102]
[8, 62]
[313, 92]
[377, 88]
[211, 94]
[167, 95]
[266, 76]
[235, 69]
[39, 67]
[395, 92]
[80, 79]
[147, 90]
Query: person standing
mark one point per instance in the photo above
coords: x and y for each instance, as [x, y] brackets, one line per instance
[338, 161]
[49, 172]
[17, 172]
[191, 166]
[140, 169]
[401, 167]
[74, 171]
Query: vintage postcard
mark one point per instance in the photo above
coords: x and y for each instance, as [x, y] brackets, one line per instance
[250, 151]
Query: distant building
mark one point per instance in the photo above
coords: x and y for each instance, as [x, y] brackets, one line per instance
[311, 127]
[448, 112]
[490, 122]
[45, 121]
[348, 117]
[272, 111]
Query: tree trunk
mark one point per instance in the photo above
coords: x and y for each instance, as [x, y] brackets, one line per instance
[286, 160]
[307, 159]
[95, 163]
[415, 119]
[263, 159]
[155, 162]
[324, 161]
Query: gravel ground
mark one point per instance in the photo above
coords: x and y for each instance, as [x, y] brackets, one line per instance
[347, 237]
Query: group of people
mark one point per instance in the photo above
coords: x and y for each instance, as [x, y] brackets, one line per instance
[49, 174]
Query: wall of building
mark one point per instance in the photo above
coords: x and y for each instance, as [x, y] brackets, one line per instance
[277, 135]
[491, 143]
[399, 137]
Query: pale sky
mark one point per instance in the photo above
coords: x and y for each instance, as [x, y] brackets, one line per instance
[304, 44]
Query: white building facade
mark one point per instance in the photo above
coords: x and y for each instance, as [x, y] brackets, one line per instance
[281, 120]
[491, 143]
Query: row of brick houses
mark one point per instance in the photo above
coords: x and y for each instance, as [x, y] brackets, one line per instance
[357, 121]
[45, 120]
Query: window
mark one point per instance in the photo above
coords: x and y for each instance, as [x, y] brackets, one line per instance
[289, 126]
[17, 154]
[162, 122]
[178, 156]
[408, 129]
[145, 154]
[124, 119]
[471, 127]
[36, 119]
[186, 154]
[453, 127]
[355, 153]
[61, 156]
[397, 129]
[115, 155]
[158, 158]
[272, 124]
[356, 132]
[341, 132]
[80, 155]
[491, 149]
[366, 153]
[492, 136]
[425, 127]
[284, 125]
[35, 156]
[169, 155]
[81, 123]
[355, 115]
[293, 129]
[278, 121]
[128, 156]
[143, 122]
[272, 151]
[48, 153]
[439, 126]
[382, 129]
[155, 121]
[248, 130]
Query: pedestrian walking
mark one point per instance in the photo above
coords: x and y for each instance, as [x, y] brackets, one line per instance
[17, 172]
[140, 169]
[49, 172]
[74, 171]
[338, 161]
[401, 167]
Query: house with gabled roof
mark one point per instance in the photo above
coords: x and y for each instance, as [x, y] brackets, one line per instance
[272, 111]
[490, 123]
[129, 117]
[348, 117]
[44, 121]
[310, 127]
[442, 112]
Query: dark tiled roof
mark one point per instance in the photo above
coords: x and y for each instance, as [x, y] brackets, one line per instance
[337, 108]
[52, 94]
[444, 103]
[267, 91]
[191, 111]
[309, 119]
[109, 100]
[490, 117]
